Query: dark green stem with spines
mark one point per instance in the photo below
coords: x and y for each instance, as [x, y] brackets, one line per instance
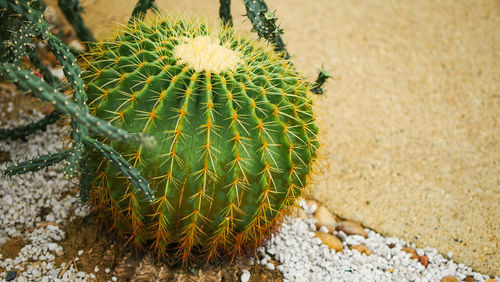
[25, 130]
[30, 82]
[225, 12]
[264, 23]
[140, 10]
[72, 10]
[123, 166]
[323, 75]
[38, 163]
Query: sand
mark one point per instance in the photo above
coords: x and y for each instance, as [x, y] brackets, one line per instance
[410, 126]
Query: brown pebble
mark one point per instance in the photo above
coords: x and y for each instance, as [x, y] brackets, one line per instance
[362, 249]
[351, 228]
[325, 218]
[469, 279]
[491, 280]
[411, 251]
[331, 241]
[449, 279]
[4, 156]
[392, 245]
[424, 260]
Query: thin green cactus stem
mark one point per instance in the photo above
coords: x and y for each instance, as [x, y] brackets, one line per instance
[74, 159]
[225, 12]
[323, 75]
[25, 130]
[141, 9]
[264, 23]
[38, 163]
[30, 82]
[86, 177]
[72, 10]
[123, 166]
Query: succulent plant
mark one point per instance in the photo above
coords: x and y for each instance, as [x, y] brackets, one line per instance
[234, 128]
[191, 139]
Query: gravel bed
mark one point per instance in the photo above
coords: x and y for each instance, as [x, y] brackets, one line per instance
[36, 206]
[303, 257]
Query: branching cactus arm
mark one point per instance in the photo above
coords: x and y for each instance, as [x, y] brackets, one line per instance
[38, 163]
[30, 82]
[264, 23]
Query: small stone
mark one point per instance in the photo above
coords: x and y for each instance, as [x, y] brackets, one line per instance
[312, 206]
[57, 72]
[324, 229]
[11, 275]
[245, 276]
[411, 251]
[362, 249]
[491, 280]
[325, 218]
[449, 279]
[351, 228]
[75, 44]
[331, 241]
[50, 218]
[80, 252]
[96, 269]
[4, 156]
[114, 278]
[469, 279]
[107, 270]
[424, 260]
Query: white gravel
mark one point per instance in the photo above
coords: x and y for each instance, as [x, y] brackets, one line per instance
[301, 256]
[22, 199]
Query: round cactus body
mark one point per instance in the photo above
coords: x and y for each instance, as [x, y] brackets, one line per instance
[234, 129]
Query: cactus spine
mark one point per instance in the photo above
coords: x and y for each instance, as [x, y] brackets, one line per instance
[234, 128]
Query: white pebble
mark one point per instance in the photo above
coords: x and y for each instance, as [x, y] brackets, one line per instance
[245, 276]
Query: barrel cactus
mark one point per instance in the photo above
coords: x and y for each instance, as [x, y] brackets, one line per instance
[234, 129]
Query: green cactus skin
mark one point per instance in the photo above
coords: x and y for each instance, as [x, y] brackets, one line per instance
[235, 144]
[25, 130]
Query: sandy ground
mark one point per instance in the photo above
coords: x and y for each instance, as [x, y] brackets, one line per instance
[410, 127]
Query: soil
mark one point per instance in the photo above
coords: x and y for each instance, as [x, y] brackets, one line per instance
[102, 250]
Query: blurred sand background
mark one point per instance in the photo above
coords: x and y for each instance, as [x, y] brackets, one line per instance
[411, 124]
